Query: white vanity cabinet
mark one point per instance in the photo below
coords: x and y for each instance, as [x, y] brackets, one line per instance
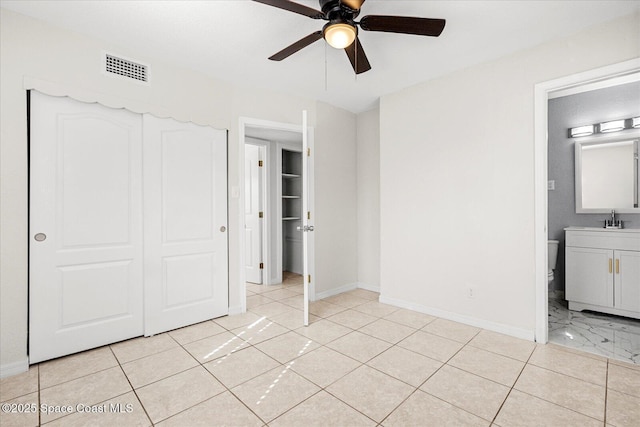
[602, 270]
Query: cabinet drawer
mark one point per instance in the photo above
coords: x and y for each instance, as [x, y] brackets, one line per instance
[628, 241]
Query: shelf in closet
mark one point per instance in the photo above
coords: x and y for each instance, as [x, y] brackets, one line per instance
[291, 218]
[290, 175]
[290, 197]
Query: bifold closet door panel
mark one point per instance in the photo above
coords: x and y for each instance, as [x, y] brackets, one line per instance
[85, 241]
[185, 223]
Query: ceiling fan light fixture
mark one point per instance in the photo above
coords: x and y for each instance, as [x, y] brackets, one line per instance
[340, 35]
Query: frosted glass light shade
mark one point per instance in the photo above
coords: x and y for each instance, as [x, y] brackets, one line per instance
[635, 122]
[582, 131]
[340, 35]
[612, 126]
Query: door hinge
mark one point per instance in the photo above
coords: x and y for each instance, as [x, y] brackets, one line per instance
[259, 163]
[308, 152]
[309, 281]
[260, 214]
[261, 266]
[308, 215]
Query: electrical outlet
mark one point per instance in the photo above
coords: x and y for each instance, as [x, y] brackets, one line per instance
[471, 292]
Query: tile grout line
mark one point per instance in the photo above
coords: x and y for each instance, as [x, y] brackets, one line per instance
[97, 403]
[512, 387]
[343, 376]
[543, 399]
[174, 374]
[435, 372]
[371, 367]
[135, 393]
[211, 373]
[572, 376]
[280, 363]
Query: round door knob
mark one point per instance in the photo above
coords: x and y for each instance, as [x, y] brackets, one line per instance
[40, 237]
[223, 229]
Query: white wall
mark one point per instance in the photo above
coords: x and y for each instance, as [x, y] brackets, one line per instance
[335, 199]
[457, 181]
[368, 184]
[72, 62]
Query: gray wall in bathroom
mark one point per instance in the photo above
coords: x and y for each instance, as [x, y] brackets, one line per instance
[597, 106]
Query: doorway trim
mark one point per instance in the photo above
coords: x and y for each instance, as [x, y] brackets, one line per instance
[542, 92]
[243, 123]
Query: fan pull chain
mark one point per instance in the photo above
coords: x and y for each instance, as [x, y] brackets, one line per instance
[326, 84]
[355, 50]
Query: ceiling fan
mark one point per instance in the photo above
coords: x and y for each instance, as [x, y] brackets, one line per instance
[341, 31]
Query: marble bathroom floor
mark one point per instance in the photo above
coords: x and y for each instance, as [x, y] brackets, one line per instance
[610, 336]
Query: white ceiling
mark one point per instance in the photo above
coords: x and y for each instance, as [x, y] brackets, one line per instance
[231, 40]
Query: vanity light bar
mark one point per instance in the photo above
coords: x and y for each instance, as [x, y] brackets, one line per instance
[605, 127]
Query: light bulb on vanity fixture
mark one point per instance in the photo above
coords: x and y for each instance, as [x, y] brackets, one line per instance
[581, 131]
[612, 126]
[635, 122]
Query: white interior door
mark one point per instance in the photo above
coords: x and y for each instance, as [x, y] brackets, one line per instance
[85, 251]
[252, 215]
[185, 224]
[307, 214]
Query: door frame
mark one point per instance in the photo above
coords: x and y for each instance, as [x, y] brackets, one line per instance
[542, 91]
[243, 123]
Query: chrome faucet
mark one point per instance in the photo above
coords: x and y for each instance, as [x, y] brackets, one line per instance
[613, 222]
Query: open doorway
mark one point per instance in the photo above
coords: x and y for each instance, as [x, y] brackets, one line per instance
[272, 207]
[548, 188]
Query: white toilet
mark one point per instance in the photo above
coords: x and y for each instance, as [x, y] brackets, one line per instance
[552, 254]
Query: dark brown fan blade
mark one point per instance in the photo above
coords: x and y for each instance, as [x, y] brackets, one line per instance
[361, 63]
[403, 24]
[353, 4]
[294, 7]
[302, 43]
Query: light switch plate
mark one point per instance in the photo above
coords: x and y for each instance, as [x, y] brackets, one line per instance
[551, 185]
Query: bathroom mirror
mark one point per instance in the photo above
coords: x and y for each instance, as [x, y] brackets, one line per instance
[607, 175]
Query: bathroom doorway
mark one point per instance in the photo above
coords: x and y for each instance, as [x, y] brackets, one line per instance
[555, 195]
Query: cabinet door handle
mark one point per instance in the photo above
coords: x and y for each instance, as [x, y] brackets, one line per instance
[610, 265]
[617, 266]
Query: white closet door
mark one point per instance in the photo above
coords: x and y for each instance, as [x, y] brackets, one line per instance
[185, 224]
[252, 210]
[85, 254]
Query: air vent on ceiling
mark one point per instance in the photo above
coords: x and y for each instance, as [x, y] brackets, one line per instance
[126, 68]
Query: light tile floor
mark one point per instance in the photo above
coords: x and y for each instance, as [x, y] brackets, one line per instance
[360, 363]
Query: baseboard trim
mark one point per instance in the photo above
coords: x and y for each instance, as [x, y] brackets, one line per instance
[235, 310]
[367, 287]
[335, 291]
[15, 368]
[525, 334]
